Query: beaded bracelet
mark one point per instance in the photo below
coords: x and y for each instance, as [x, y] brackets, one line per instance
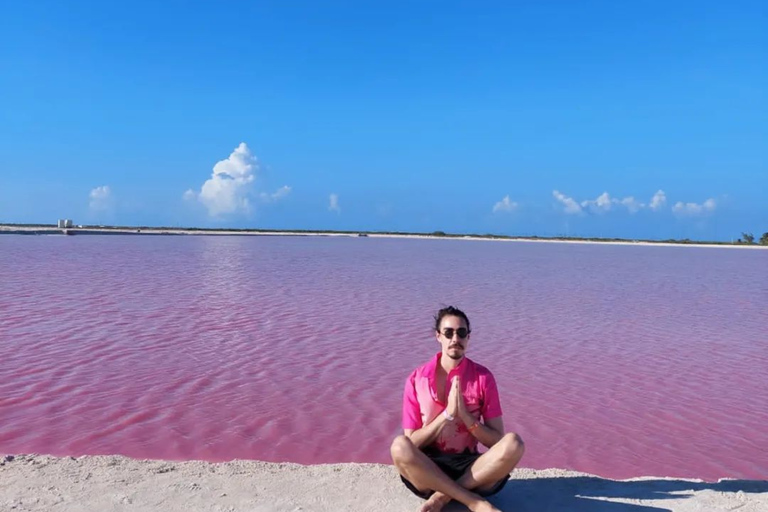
[474, 426]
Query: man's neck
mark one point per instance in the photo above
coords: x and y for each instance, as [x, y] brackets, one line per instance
[448, 364]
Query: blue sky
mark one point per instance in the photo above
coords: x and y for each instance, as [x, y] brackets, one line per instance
[415, 116]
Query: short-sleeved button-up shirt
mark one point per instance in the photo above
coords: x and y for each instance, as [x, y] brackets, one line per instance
[421, 405]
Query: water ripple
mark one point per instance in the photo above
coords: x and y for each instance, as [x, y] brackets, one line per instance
[616, 360]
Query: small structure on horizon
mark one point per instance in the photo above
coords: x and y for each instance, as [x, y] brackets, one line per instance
[65, 223]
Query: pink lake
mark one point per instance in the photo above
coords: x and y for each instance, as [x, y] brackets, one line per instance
[620, 361]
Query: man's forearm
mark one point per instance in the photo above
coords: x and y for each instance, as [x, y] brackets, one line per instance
[487, 435]
[483, 433]
[427, 434]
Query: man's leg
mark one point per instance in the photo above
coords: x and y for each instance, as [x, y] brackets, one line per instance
[495, 464]
[489, 468]
[425, 475]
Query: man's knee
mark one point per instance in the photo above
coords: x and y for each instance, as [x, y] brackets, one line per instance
[402, 450]
[513, 445]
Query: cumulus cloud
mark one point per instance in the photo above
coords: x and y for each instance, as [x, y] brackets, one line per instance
[692, 209]
[605, 203]
[505, 205]
[100, 198]
[334, 203]
[230, 187]
[276, 195]
[227, 190]
[570, 206]
[632, 204]
[601, 204]
[658, 200]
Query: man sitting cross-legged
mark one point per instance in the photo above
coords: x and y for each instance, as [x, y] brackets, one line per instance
[443, 405]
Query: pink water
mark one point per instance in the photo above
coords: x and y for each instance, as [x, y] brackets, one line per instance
[615, 360]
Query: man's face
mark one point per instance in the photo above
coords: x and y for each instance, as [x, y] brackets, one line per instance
[453, 346]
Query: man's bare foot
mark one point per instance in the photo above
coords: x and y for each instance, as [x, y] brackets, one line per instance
[435, 503]
[484, 506]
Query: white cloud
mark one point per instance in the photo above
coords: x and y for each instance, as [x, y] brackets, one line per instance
[227, 190]
[599, 205]
[632, 204]
[658, 200]
[505, 205]
[276, 195]
[100, 198]
[334, 203]
[605, 203]
[569, 205]
[693, 209]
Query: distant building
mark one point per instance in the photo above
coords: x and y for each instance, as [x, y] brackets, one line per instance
[65, 223]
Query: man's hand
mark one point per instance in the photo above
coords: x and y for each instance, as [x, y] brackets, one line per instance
[454, 397]
[466, 417]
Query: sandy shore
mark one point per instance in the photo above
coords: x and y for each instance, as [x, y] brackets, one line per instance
[114, 483]
[219, 232]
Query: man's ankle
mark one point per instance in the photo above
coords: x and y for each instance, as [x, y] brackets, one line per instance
[439, 496]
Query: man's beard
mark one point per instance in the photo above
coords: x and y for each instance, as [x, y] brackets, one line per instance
[454, 355]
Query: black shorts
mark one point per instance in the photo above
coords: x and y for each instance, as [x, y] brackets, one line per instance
[454, 465]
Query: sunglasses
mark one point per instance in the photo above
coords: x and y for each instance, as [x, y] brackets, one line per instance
[462, 332]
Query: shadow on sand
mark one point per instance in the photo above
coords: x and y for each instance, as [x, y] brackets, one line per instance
[595, 494]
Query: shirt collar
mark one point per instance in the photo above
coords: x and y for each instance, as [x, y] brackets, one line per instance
[431, 368]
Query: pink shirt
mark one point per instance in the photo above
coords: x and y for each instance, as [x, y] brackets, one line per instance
[421, 406]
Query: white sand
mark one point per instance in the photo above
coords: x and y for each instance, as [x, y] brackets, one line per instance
[114, 483]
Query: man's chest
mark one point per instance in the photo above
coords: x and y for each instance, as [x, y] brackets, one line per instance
[441, 392]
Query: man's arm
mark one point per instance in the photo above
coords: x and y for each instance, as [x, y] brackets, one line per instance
[488, 433]
[427, 434]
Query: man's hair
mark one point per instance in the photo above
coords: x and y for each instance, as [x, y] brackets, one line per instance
[450, 311]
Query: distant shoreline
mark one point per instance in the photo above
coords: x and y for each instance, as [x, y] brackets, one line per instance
[44, 229]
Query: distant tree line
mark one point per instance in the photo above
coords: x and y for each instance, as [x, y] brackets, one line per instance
[749, 238]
